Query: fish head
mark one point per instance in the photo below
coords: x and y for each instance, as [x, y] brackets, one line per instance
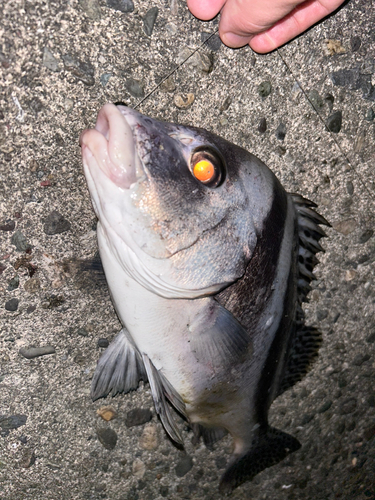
[179, 207]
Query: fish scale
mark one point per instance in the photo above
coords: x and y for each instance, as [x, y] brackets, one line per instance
[207, 273]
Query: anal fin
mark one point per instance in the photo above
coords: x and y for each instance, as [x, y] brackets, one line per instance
[119, 369]
[210, 435]
[162, 391]
[267, 449]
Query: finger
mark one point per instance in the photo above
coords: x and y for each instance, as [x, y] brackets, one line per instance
[299, 20]
[205, 9]
[240, 20]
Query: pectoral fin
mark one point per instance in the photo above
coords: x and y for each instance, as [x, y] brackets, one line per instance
[119, 369]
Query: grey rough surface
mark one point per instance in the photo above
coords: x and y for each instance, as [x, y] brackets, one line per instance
[55, 58]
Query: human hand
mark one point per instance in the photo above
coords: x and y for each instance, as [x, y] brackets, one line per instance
[263, 24]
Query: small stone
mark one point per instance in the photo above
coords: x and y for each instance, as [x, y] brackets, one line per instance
[107, 437]
[221, 462]
[369, 433]
[262, 126]
[340, 427]
[355, 43]
[345, 227]
[80, 359]
[55, 223]
[164, 490]
[68, 104]
[12, 304]
[107, 413]
[329, 99]
[348, 406]
[306, 418]
[213, 42]
[184, 466]
[360, 359]
[149, 439]
[103, 343]
[371, 338]
[371, 400]
[315, 100]
[91, 8]
[168, 85]
[30, 309]
[198, 60]
[350, 188]
[8, 225]
[138, 468]
[350, 275]
[49, 60]
[370, 115]
[104, 78]
[264, 89]
[82, 332]
[20, 242]
[334, 47]
[366, 235]
[13, 283]
[2, 268]
[121, 5]
[52, 301]
[334, 122]
[138, 416]
[28, 459]
[84, 71]
[12, 422]
[36, 352]
[134, 87]
[149, 20]
[183, 101]
[325, 406]
[32, 285]
[281, 132]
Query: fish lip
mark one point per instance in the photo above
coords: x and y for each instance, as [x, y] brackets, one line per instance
[112, 145]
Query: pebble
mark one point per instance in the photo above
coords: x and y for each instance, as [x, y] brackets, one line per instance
[52, 301]
[107, 437]
[8, 225]
[164, 490]
[138, 468]
[91, 8]
[104, 78]
[2, 268]
[32, 285]
[12, 422]
[334, 122]
[27, 459]
[149, 20]
[325, 406]
[370, 115]
[262, 126]
[321, 314]
[329, 99]
[13, 283]
[107, 413]
[198, 60]
[348, 406]
[369, 433]
[20, 242]
[360, 359]
[227, 102]
[366, 235]
[103, 343]
[184, 466]
[183, 101]
[371, 338]
[84, 71]
[315, 100]
[55, 223]
[149, 439]
[334, 47]
[138, 416]
[355, 43]
[264, 89]
[134, 87]
[281, 132]
[345, 227]
[350, 188]
[168, 85]
[213, 42]
[121, 5]
[36, 352]
[49, 60]
[12, 304]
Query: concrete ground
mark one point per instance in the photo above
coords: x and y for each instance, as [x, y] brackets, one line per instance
[306, 110]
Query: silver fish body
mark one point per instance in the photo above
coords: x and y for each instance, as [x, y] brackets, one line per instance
[208, 260]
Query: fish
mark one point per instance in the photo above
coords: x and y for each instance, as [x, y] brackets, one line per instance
[208, 261]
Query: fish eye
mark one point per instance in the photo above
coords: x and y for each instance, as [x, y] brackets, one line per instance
[207, 166]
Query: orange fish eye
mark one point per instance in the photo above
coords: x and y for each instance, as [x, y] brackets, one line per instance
[204, 171]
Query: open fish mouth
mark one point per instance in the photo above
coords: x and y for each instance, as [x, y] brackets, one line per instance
[110, 145]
